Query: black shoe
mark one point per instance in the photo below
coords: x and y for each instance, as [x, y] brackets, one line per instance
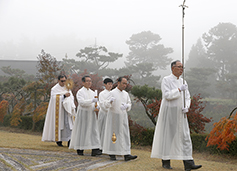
[95, 152]
[196, 167]
[129, 157]
[112, 157]
[68, 143]
[99, 152]
[189, 165]
[80, 152]
[59, 143]
[166, 164]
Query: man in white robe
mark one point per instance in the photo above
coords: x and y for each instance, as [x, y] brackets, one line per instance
[105, 101]
[85, 133]
[172, 136]
[117, 122]
[58, 121]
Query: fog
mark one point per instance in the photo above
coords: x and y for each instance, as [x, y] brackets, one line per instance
[63, 27]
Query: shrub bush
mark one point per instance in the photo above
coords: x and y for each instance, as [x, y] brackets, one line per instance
[139, 136]
[145, 138]
[26, 123]
[199, 142]
[6, 120]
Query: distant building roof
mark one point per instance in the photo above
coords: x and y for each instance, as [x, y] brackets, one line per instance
[29, 66]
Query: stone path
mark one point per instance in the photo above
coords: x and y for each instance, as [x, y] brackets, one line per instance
[25, 159]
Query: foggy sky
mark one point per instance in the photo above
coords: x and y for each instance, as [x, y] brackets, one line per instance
[66, 26]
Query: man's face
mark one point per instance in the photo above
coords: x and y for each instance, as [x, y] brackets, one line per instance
[177, 69]
[87, 82]
[123, 84]
[108, 86]
[62, 81]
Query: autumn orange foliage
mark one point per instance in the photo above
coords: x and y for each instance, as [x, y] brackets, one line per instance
[154, 107]
[17, 111]
[3, 109]
[196, 120]
[40, 111]
[224, 132]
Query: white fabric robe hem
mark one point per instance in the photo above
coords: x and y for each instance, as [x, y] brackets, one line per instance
[117, 122]
[85, 133]
[117, 152]
[84, 147]
[173, 157]
[172, 136]
[48, 134]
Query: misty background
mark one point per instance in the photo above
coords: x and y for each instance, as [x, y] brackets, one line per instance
[62, 28]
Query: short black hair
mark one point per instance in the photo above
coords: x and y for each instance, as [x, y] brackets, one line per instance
[108, 80]
[174, 63]
[120, 79]
[84, 78]
[62, 76]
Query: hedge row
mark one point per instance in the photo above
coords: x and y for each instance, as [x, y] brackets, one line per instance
[200, 145]
[26, 123]
[143, 137]
[198, 140]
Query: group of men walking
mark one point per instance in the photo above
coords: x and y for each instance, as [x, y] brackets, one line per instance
[96, 119]
[91, 131]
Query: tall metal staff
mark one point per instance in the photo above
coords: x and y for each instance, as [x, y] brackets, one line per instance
[183, 8]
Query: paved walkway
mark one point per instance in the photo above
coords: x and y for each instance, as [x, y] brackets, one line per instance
[25, 159]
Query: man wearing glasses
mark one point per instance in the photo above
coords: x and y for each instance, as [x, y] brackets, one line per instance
[58, 122]
[172, 136]
[85, 133]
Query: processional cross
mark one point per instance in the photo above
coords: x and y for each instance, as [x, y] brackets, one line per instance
[183, 13]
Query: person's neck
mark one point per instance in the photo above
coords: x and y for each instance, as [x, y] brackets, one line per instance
[87, 88]
[119, 89]
[107, 89]
[176, 76]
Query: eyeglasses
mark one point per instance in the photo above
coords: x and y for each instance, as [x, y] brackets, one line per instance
[62, 81]
[179, 67]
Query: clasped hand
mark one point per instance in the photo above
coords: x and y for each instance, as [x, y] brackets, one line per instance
[185, 110]
[67, 95]
[112, 99]
[94, 100]
[124, 106]
[183, 87]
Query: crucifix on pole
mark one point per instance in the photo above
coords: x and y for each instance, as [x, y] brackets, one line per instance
[183, 8]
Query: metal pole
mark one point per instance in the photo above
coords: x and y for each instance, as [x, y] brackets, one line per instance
[183, 8]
